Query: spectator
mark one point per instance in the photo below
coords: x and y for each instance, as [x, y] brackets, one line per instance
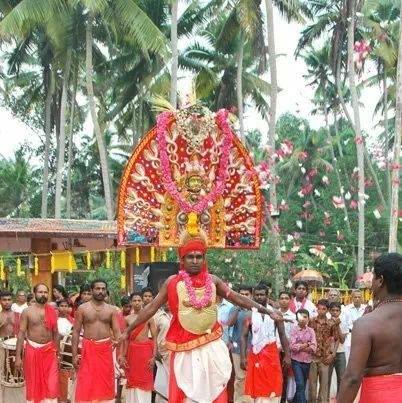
[302, 349]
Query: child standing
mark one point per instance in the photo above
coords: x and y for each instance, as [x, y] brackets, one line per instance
[302, 348]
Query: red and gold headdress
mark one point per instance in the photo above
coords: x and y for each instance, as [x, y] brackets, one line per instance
[190, 173]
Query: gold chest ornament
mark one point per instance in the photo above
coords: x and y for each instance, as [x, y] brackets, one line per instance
[196, 321]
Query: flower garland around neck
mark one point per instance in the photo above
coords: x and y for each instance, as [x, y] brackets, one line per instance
[194, 302]
[168, 182]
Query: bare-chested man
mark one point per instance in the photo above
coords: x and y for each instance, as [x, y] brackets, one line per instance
[9, 324]
[95, 377]
[140, 352]
[38, 325]
[376, 354]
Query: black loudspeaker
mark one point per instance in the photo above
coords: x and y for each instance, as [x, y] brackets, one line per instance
[153, 274]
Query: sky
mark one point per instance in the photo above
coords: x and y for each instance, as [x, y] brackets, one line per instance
[294, 97]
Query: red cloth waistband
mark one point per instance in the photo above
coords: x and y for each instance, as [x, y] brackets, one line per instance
[95, 378]
[382, 388]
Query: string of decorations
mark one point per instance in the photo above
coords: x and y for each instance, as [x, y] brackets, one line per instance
[70, 266]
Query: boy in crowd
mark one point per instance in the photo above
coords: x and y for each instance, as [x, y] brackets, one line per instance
[327, 337]
[302, 349]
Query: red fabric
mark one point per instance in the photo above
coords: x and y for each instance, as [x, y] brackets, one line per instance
[17, 317]
[193, 245]
[292, 305]
[120, 321]
[50, 317]
[70, 319]
[138, 374]
[176, 395]
[264, 373]
[383, 388]
[95, 377]
[41, 372]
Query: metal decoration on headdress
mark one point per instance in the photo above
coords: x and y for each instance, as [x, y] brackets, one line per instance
[190, 173]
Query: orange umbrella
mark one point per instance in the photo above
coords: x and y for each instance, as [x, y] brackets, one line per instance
[309, 275]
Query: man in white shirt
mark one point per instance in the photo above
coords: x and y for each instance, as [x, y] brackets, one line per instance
[21, 302]
[300, 301]
[284, 302]
[354, 311]
[339, 364]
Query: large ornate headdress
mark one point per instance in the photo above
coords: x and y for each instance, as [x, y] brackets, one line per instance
[190, 173]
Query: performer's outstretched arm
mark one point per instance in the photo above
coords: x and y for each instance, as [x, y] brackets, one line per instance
[359, 353]
[20, 340]
[243, 341]
[225, 292]
[149, 311]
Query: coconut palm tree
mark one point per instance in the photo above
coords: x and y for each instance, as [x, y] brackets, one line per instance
[394, 210]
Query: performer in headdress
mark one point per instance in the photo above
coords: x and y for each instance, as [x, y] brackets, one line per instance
[200, 365]
[39, 326]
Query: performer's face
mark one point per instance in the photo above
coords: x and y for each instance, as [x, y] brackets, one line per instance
[136, 303]
[63, 309]
[284, 301]
[41, 294]
[245, 293]
[6, 302]
[260, 296]
[193, 262]
[357, 298]
[99, 291]
[301, 291]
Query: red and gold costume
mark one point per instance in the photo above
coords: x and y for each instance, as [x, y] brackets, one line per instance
[200, 363]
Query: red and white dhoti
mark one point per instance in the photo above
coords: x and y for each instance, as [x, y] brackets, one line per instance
[140, 378]
[41, 372]
[382, 388]
[95, 377]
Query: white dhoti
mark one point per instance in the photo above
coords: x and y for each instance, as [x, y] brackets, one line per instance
[44, 401]
[135, 395]
[203, 373]
[161, 384]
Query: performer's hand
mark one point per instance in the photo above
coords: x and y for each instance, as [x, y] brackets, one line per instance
[18, 363]
[122, 362]
[276, 315]
[76, 362]
[243, 364]
[286, 361]
[151, 363]
[122, 337]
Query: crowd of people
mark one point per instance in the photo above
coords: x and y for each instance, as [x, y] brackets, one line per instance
[157, 348]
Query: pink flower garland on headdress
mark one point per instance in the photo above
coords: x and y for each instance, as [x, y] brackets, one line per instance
[168, 182]
[207, 297]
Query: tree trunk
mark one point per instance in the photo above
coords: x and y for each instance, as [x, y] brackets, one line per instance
[70, 147]
[358, 137]
[97, 130]
[374, 176]
[395, 176]
[239, 86]
[335, 164]
[48, 131]
[386, 132]
[271, 142]
[62, 136]
[175, 55]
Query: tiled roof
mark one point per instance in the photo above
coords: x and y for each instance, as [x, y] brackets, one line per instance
[57, 227]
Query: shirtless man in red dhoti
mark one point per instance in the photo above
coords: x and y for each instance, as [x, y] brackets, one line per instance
[375, 359]
[39, 325]
[95, 376]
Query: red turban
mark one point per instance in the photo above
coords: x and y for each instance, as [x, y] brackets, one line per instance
[193, 245]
